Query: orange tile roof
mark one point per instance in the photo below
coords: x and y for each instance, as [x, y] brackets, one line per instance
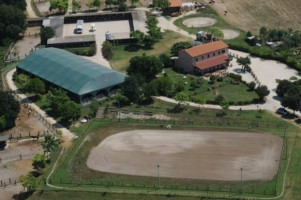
[175, 3]
[206, 48]
[208, 63]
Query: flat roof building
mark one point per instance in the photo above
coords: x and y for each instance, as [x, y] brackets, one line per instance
[83, 79]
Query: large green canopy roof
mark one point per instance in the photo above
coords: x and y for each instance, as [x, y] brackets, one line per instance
[69, 71]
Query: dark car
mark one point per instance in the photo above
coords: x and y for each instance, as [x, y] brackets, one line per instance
[281, 111]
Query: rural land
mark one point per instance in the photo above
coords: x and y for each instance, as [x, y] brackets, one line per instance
[150, 99]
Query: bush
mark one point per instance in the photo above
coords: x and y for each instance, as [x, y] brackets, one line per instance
[46, 33]
[236, 77]
[107, 50]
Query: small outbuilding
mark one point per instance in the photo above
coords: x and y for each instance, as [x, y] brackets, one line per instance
[83, 79]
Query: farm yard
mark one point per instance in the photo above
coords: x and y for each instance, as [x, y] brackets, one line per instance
[250, 15]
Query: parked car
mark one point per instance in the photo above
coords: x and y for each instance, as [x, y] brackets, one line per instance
[282, 111]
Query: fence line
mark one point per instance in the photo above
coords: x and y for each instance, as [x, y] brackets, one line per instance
[6, 159]
[9, 181]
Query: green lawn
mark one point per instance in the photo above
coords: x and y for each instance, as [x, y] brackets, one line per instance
[66, 195]
[233, 93]
[123, 53]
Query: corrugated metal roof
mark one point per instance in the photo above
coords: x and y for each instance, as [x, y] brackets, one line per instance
[206, 48]
[69, 71]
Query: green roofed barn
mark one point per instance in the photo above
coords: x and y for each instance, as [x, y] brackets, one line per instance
[83, 79]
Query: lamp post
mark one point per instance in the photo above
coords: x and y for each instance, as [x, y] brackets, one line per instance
[158, 170]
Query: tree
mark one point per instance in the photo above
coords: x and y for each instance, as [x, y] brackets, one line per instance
[182, 97]
[245, 62]
[179, 46]
[36, 86]
[96, 3]
[49, 144]
[76, 5]
[162, 4]
[225, 106]
[198, 99]
[46, 33]
[62, 5]
[94, 108]
[12, 21]
[145, 66]
[283, 87]
[216, 33]
[21, 4]
[69, 110]
[2, 123]
[252, 86]
[9, 108]
[139, 36]
[89, 4]
[39, 162]
[109, 2]
[166, 60]
[131, 89]
[122, 6]
[149, 41]
[134, 1]
[292, 98]
[28, 182]
[107, 50]
[262, 91]
[54, 98]
[219, 99]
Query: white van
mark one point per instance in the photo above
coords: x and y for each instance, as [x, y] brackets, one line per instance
[79, 26]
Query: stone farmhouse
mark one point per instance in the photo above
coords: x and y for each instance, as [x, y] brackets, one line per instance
[204, 58]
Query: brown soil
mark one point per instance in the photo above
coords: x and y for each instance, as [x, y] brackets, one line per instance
[250, 15]
[189, 154]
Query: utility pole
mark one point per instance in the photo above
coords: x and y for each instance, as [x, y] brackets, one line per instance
[241, 180]
[158, 170]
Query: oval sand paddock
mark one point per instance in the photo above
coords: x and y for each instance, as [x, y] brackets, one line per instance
[189, 154]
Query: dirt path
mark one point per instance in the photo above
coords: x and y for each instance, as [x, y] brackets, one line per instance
[189, 154]
[29, 10]
[67, 135]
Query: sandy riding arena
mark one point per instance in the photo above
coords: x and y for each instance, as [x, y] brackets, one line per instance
[189, 154]
[199, 22]
[230, 34]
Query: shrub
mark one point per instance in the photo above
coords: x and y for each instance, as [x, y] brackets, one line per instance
[45, 34]
[107, 50]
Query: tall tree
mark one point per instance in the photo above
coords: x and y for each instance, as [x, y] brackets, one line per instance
[28, 181]
[46, 33]
[49, 144]
[146, 66]
[245, 62]
[69, 110]
[283, 87]
[36, 86]
[179, 46]
[292, 98]
[12, 22]
[162, 4]
[9, 108]
[262, 91]
[61, 5]
[39, 162]
[131, 89]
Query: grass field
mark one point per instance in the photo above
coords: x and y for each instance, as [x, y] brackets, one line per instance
[73, 166]
[209, 91]
[250, 15]
[122, 54]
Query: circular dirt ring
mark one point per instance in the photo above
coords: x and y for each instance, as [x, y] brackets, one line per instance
[199, 22]
[230, 34]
